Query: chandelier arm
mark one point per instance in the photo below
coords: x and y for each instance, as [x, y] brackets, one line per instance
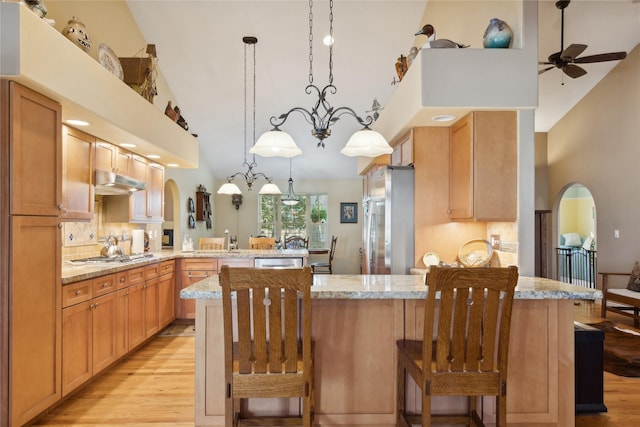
[338, 112]
[283, 117]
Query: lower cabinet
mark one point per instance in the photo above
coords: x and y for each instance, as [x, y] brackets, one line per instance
[103, 319]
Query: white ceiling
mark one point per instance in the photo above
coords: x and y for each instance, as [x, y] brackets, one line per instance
[200, 53]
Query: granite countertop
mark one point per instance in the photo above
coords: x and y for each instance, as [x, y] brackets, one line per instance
[410, 286]
[75, 273]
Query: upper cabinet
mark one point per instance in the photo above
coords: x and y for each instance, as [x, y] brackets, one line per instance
[403, 150]
[32, 131]
[147, 206]
[77, 175]
[483, 167]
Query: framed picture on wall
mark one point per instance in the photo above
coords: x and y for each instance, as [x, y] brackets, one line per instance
[349, 212]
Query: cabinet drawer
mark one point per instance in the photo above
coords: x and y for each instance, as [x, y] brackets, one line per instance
[136, 275]
[104, 284]
[76, 293]
[200, 264]
[236, 262]
[167, 267]
[122, 280]
[152, 271]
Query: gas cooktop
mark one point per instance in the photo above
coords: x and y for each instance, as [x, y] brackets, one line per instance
[109, 260]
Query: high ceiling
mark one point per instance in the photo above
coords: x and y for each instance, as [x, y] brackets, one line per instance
[201, 56]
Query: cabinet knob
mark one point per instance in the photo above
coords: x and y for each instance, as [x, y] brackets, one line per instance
[62, 208]
[122, 279]
[78, 292]
[105, 284]
[60, 225]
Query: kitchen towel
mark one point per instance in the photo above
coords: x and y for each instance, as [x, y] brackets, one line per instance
[137, 241]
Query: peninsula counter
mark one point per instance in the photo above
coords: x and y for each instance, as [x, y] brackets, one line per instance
[356, 322]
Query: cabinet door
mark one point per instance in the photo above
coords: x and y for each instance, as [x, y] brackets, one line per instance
[34, 317]
[139, 168]
[123, 161]
[104, 156]
[35, 137]
[136, 327]
[138, 206]
[76, 346]
[186, 308]
[122, 322]
[155, 193]
[166, 299]
[104, 331]
[461, 169]
[150, 307]
[77, 175]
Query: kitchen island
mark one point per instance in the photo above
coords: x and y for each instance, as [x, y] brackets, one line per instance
[356, 322]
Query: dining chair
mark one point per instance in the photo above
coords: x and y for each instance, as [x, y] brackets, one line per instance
[210, 243]
[271, 356]
[469, 311]
[326, 267]
[262, 242]
[296, 242]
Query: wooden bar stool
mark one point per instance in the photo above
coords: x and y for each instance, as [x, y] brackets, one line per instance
[210, 243]
[468, 356]
[262, 242]
[272, 356]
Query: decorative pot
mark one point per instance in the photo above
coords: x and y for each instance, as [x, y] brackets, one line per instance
[497, 35]
[77, 33]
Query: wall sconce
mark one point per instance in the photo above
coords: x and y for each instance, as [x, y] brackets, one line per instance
[236, 200]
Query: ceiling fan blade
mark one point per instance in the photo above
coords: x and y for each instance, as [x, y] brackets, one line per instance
[612, 56]
[572, 51]
[544, 70]
[554, 57]
[573, 71]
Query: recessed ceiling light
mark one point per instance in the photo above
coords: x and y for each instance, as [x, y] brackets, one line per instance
[153, 156]
[127, 145]
[172, 165]
[76, 122]
[443, 118]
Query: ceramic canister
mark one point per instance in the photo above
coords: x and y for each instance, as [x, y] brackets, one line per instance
[77, 33]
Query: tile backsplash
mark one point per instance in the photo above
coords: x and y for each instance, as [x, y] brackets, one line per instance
[86, 239]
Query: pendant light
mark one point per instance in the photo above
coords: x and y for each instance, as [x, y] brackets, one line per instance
[366, 142]
[250, 176]
[290, 199]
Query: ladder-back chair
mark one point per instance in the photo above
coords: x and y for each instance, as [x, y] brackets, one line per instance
[468, 355]
[272, 354]
[296, 242]
[326, 267]
[262, 242]
[210, 243]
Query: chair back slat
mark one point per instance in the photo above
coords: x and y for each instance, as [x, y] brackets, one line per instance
[474, 305]
[262, 243]
[275, 330]
[260, 330]
[290, 330]
[244, 331]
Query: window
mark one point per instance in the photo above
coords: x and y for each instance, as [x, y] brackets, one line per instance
[307, 218]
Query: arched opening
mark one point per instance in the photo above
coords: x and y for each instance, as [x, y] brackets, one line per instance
[576, 236]
[172, 220]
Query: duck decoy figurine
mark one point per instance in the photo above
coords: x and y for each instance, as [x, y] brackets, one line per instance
[432, 42]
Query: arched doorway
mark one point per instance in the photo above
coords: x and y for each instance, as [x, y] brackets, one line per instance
[576, 236]
[171, 227]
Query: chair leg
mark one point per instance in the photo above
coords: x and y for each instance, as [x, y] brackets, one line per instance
[426, 408]
[229, 413]
[400, 396]
[501, 411]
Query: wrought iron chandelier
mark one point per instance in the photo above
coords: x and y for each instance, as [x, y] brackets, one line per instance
[250, 176]
[366, 142]
[290, 198]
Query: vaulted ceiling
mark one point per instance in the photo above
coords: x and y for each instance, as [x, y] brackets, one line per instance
[201, 56]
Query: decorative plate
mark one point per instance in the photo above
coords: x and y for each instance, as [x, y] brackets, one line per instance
[110, 61]
[431, 258]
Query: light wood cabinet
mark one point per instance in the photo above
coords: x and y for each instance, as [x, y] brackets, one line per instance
[135, 316]
[139, 167]
[483, 167]
[190, 271]
[77, 175]
[30, 196]
[111, 158]
[166, 294]
[402, 154]
[76, 346]
[104, 331]
[147, 206]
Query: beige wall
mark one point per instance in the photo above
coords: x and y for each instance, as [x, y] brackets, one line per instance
[597, 144]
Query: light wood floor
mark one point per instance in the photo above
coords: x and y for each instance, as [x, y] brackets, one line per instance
[155, 387]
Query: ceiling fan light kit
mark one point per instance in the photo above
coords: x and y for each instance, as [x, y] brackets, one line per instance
[322, 115]
[566, 59]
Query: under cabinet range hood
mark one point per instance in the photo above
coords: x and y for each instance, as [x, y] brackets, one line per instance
[110, 183]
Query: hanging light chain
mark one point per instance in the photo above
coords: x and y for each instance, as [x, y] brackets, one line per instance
[331, 45]
[254, 102]
[310, 42]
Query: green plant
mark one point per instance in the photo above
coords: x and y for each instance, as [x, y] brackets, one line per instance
[318, 213]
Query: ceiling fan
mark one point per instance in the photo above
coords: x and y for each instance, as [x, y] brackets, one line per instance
[567, 58]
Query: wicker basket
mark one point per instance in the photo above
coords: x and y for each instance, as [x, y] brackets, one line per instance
[475, 253]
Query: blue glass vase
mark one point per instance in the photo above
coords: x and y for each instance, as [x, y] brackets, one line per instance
[497, 35]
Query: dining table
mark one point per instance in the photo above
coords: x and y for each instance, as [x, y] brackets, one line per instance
[318, 251]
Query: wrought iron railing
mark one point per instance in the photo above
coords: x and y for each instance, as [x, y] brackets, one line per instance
[576, 266]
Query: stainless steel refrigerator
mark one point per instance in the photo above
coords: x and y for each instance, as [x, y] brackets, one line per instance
[388, 246]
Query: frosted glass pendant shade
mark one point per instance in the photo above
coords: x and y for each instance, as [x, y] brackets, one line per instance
[366, 143]
[269, 188]
[229, 188]
[275, 143]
